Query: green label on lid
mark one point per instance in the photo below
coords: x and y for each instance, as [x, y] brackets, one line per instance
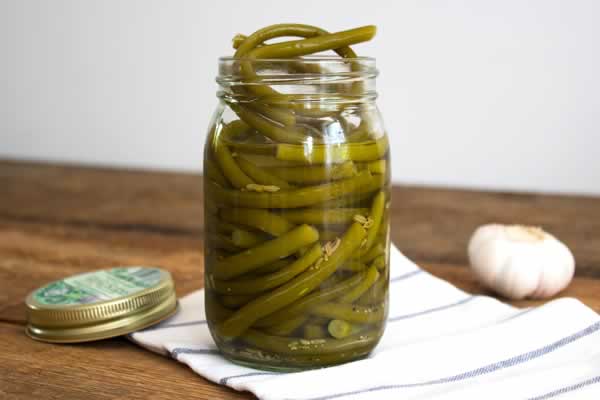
[98, 286]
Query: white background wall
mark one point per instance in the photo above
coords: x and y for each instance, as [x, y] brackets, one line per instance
[493, 94]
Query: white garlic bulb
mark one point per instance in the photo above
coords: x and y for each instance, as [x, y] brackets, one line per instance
[520, 261]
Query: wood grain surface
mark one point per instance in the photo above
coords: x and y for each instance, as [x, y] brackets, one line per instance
[59, 220]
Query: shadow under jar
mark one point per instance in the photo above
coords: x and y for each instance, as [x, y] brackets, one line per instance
[297, 196]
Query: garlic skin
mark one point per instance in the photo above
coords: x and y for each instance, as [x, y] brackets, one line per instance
[520, 261]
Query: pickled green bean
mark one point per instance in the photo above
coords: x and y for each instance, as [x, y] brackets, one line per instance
[376, 293]
[364, 182]
[212, 172]
[244, 239]
[265, 253]
[376, 167]
[269, 161]
[354, 200]
[281, 116]
[314, 331]
[295, 346]
[376, 215]
[340, 329]
[274, 31]
[266, 282]
[295, 289]
[250, 149]
[260, 219]
[260, 175]
[229, 167]
[353, 294]
[376, 250]
[379, 262]
[323, 216]
[286, 328]
[224, 243]
[301, 306]
[269, 129]
[274, 266]
[354, 265]
[329, 41]
[328, 234]
[331, 153]
[316, 174]
[214, 310]
[235, 301]
[350, 312]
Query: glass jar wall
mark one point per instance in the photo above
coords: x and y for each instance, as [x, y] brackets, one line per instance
[296, 180]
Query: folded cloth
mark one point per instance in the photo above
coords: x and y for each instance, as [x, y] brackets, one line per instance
[439, 343]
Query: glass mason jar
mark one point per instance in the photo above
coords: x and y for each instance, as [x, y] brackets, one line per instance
[297, 195]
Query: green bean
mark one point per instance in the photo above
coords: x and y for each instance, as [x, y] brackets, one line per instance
[286, 328]
[244, 239]
[260, 175]
[320, 154]
[301, 306]
[260, 219]
[376, 250]
[296, 288]
[353, 294]
[376, 215]
[269, 161]
[250, 149]
[376, 167]
[274, 31]
[351, 312]
[360, 133]
[214, 310]
[379, 262]
[212, 172]
[235, 301]
[314, 331]
[328, 234]
[235, 129]
[341, 329]
[213, 224]
[354, 265]
[321, 216]
[376, 293]
[302, 197]
[265, 253]
[266, 282]
[316, 174]
[353, 200]
[281, 116]
[238, 40]
[273, 267]
[295, 48]
[224, 243]
[266, 127]
[292, 346]
[230, 168]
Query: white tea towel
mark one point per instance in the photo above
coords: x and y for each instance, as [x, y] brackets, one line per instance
[439, 343]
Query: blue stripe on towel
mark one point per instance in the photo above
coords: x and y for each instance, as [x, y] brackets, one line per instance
[487, 369]
[223, 381]
[185, 350]
[567, 389]
[432, 310]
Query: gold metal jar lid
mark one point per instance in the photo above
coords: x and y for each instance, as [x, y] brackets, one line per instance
[100, 304]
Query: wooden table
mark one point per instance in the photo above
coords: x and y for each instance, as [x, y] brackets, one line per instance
[60, 220]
